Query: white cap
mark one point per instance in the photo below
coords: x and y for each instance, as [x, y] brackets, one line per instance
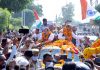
[35, 50]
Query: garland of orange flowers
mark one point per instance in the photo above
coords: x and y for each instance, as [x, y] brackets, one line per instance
[67, 31]
[45, 36]
[96, 43]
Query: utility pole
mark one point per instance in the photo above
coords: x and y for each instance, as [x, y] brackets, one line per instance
[23, 18]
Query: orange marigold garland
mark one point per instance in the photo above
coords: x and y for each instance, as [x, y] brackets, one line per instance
[96, 43]
[45, 36]
[67, 31]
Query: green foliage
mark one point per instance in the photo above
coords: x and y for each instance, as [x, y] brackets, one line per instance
[59, 20]
[38, 8]
[29, 17]
[29, 14]
[98, 8]
[5, 16]
[11, 26]
[15, 23]
[17, 6]
[14, 5]
[67, 12]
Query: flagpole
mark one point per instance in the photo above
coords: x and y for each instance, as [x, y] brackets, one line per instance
[23, 18]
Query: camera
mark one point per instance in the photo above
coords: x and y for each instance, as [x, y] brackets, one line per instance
[24, 31]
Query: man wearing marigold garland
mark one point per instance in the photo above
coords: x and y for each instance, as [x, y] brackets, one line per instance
[47, 36]
[67, 35]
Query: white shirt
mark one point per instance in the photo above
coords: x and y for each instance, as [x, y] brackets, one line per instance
[61, 37]
[78, 38]
[21, 61]
[37, 36]
[13, 52]
[75, 36]
[80, 64]
[51, 37]
[43, 27]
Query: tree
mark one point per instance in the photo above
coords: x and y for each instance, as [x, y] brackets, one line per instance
[5, 16]
[14, 5]
[38, 8]
[29, 14]
[98, 8]
[67, 12]
[17, 6]
[15, 23]
[30, 17]
[59, 20]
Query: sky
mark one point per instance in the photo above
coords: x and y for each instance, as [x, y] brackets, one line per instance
[51, 8]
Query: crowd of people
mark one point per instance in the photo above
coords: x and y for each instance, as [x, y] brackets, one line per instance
[20, 51]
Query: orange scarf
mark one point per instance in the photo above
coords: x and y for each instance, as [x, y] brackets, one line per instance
[45, 36]
[67, 31]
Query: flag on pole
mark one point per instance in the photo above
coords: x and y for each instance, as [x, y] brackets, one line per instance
[87, 10]
[38, 23]
[36, 15]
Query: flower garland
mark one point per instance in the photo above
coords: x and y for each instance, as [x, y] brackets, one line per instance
[45, 36]
[67, 31]
[96, 43]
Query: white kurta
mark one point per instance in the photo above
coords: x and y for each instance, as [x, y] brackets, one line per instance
[78, 38]
[61, 37]
[13, 52]
[51, 37]
[43, 27]
[39, 36]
